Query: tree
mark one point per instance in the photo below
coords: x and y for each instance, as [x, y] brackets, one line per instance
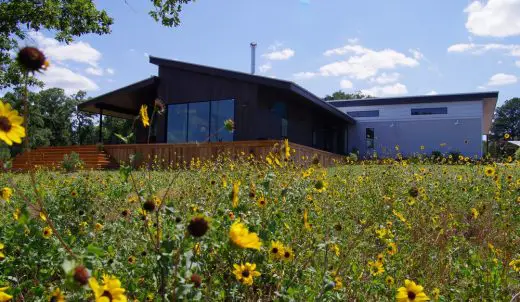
[68, 18]
[507, 120]
[341, 95]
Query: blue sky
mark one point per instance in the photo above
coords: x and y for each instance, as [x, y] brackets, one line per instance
[384, 48]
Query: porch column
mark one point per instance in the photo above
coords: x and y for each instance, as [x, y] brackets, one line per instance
[100, 125]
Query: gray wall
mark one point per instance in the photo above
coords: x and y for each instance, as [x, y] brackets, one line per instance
[464, 137]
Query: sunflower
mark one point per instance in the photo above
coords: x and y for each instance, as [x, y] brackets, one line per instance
[198, 226]
[489, 171]
[241, 236]
[143, 113]
[98, 227]
[410, 200]
[474, 213]
[110, 290]
[4, 297]
[245, 273]
[276, 250]
[47, 232]
[57, 296]
[32, 59]
[380, 257]
[507, 136]
[6, 193]
[11, 129]
[131, 259]
[515, 265]
[389, 280]
[391, 248]
[436, 294]
[261, 202]
[287, 149]
[338, 283]
[288, 254]
[411, 292]
[320, 186]
[2, 255]
[229, 125]
[234, 194]
[376, 268]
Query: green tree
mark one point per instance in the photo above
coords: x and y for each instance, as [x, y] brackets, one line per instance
[341, 95]
[67, 18]
[507, 120]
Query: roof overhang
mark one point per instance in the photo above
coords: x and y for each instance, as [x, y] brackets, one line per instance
[516, 143]
[124, 102]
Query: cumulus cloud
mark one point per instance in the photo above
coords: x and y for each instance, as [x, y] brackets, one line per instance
[501, 79]
[416, 54]
[386, 78]
[304, 75]
[478, 49]
[388, 90]
[279, 55]
[265, 67]
[79, 51]
[346, 84]
[94, 71]
[494, 18]
[71, 82]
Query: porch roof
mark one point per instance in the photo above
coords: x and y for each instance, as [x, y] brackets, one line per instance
[123, 102]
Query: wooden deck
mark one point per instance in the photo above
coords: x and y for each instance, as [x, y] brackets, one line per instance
[172, 155]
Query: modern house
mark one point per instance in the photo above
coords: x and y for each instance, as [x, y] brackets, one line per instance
[420, 124]
[198, 99]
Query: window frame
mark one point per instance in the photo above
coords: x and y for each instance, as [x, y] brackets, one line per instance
[370, 141]
[364, 113]
[428, 111]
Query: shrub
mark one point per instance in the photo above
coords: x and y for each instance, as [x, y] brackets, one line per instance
[517, 154]
[71, 162]
[353, 157]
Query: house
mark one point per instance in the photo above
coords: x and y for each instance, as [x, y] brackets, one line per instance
[199, 99]
[420, 124]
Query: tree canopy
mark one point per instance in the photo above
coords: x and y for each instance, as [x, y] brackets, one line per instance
[341, 95]
[68, 19]
[507, 120]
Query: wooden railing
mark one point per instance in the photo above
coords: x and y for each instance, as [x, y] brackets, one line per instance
[179, 154]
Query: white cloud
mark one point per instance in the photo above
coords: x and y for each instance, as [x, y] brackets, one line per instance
[279, 55]
[110, 71]
[365, 62]
[416, 54]
[389, 90]
[501, 79]
[71, 82]
[385, 78]
[80, 52]
[496, 18]
[304, 75]
[346, 84]
[478, 49]
[94, 71]
[265, 67]
[433, 92]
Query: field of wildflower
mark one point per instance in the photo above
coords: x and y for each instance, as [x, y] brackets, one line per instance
[249, 230]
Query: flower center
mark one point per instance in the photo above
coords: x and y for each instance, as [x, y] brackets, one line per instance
[319, 185]
[274, 250]
[5, 124]
[287, 255]
[245, 274]
[411, 295]
[53, 299]
[107, 294]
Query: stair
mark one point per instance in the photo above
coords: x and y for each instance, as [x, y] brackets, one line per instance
[51, 157]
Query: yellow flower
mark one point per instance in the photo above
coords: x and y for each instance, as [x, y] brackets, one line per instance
[338, 283]
[287, 149]
[241, 236]
[306, 223]
[47, 232]
[6, 193]
[507, 136]
[11, 129]
[380, 257]
[276, 250]
[4, 297]
[320, 186]
[262, 202]
[143, 112]
[376, 268]
[57, 296]
[245, 273]
[490, 171]
[411, 292]
[98, 227]
[515, 265]
[2, 255]
[389, 280]
[109, 291]
[436, 293]
[288, 254]
[16, 214]
[335, 248]
[234, 194]
[474, 213]
[391, 248]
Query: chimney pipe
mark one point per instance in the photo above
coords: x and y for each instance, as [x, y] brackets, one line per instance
[253, 57]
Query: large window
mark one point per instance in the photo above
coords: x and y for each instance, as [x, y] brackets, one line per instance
[369, 135]
[200, 121]
[366, 113]
[429, 111]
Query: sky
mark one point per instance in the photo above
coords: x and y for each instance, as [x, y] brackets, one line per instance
[379, 47]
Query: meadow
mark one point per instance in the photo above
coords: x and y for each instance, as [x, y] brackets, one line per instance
[250, 230]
